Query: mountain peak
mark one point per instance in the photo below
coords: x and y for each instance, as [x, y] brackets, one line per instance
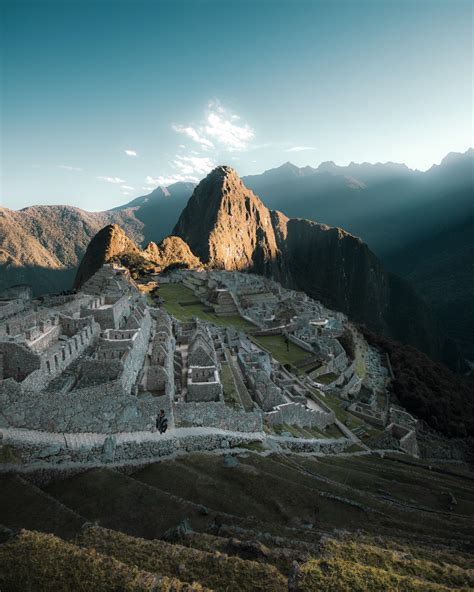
[225, 224]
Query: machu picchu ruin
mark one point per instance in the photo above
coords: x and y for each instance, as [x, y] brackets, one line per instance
[220, 352]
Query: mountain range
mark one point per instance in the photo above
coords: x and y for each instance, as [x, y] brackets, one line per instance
[420, 225]
[226, 226]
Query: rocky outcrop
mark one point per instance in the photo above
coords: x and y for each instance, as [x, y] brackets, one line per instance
[112, 242]
[170, 251]
[109, 242]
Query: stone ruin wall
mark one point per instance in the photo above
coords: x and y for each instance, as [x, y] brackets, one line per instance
[99, 408]
[38, 369]
[11, 307]
[107, 406]
[48, 455]
[297, 414]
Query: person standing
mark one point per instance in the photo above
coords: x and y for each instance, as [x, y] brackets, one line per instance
[161, 422]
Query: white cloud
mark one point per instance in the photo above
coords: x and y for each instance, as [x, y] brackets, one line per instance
[300, 148]
[115, 180]
[164, 181]
[131, 153]
[193, 165]
[220, 128]
[128, 187]
[68, 168]
[125, 193]
[233, 137]
[194, 134]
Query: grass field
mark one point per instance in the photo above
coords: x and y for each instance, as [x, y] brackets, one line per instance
[228, 524]
[284, 353]
[326, 378]
[182, 303]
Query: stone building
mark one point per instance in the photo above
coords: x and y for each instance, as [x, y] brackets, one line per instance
[78, 371]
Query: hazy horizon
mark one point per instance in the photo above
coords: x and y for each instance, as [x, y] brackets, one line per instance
[123, 199]
[102, 102]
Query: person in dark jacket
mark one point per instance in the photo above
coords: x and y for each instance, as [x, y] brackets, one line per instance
[162, 422]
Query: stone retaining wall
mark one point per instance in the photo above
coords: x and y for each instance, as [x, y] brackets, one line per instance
[113, 449]
[98, 408]
[218, 415]
[328, 446]
[63, 451]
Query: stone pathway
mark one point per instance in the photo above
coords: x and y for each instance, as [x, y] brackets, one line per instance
[91, 440]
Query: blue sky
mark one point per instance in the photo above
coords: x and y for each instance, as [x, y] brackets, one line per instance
[102, 101]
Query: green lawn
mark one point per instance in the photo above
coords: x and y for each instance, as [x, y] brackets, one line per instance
[326, 378]
[231, 395]
[284, 353]
[182, 303]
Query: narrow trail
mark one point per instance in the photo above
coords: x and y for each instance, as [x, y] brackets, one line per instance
[91, 439]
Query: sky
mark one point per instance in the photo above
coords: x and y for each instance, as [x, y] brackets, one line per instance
[101, 101]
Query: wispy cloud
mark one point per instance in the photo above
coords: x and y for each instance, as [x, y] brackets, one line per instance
[68, 168]
[115, 180]
[220, 128]
[128, 187]
[131, 153]
[194, 134]
[300, 148]
[193, 165]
